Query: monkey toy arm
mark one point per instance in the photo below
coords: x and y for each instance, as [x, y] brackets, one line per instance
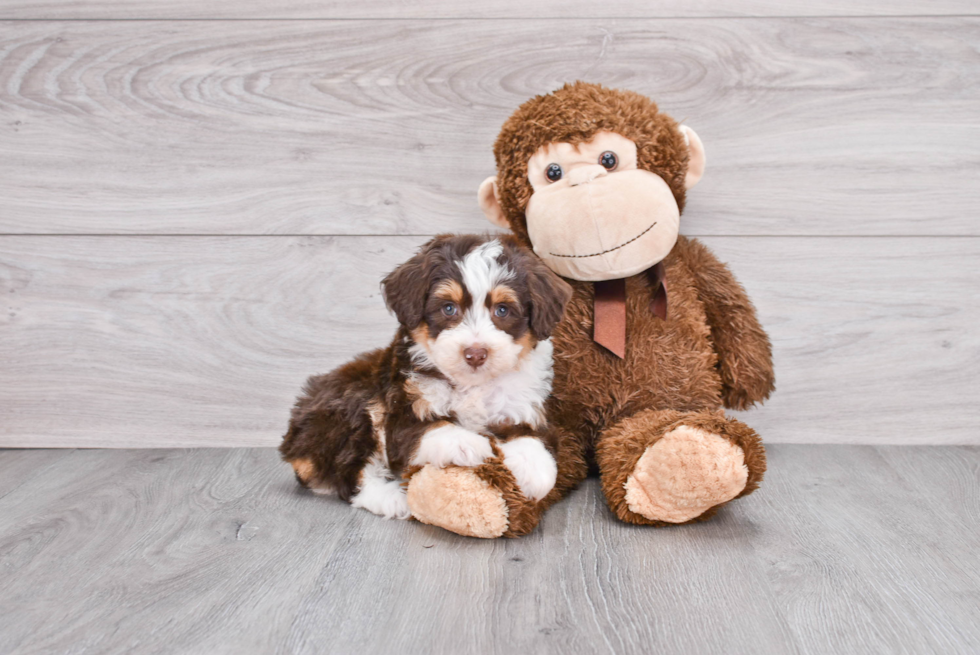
[744, 351]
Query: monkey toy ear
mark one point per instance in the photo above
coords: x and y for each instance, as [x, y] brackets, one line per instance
[490, 203]
[696, 161]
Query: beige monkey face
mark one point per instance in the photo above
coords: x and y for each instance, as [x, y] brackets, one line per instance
[594, 215]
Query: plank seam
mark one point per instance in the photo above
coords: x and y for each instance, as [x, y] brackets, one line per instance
[419, 236]
[486, 19]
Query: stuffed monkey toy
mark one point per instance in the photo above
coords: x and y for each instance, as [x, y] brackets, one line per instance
[658, 336]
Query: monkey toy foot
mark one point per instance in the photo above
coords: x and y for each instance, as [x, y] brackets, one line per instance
[667, 467]
[686, 473]
[482, 501]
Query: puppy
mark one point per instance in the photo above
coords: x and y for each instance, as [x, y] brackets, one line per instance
[468, 372]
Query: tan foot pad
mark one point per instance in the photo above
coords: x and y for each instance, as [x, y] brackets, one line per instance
[687, 472]
[456, 499]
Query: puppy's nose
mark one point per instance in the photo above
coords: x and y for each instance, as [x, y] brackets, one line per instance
[585, 174]
[475, 356]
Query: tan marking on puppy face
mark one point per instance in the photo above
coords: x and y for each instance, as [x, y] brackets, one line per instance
[420, 335]
[514, 322]
[527, 342]
[304, 469]
[449, 290]
[503, 294]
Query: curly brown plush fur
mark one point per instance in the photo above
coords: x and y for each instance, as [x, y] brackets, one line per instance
[679, 372]
[573, 114]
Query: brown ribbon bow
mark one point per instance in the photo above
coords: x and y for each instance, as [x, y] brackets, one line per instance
[609, 326]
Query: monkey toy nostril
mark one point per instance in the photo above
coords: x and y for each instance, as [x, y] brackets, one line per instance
[475, 357]
[585, 174]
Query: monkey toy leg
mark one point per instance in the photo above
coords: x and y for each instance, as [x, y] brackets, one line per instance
[663, 467]
[485, 501]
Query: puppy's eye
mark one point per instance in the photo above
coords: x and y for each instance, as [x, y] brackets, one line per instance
[450, 309]
[501, 311]
[608, 160]
[553, 172]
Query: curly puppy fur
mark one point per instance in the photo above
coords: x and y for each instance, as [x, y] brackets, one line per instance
[360, 431]
[710, 352]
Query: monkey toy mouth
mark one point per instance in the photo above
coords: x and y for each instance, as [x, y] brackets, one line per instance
[596, 254]
[614, 226]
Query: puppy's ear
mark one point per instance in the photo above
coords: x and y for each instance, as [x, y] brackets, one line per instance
[405, 289]
[549, 295]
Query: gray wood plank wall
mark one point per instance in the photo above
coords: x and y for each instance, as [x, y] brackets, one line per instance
[195, 214]
[437, 9]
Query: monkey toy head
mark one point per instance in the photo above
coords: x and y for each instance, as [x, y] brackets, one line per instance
[593, 179]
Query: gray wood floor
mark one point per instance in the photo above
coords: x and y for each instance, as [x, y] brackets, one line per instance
[845, 549]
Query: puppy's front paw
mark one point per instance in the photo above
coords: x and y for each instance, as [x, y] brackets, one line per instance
[451, 444]
[533, 466]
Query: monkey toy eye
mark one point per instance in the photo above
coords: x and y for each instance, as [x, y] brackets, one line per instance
[608, 160]
[501, 311]
[553, 172]
[449, 309]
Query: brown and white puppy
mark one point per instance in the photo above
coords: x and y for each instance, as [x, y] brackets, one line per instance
[470, 366]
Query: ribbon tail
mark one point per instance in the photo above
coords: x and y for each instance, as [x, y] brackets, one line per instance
[609, 327]
[659, 283]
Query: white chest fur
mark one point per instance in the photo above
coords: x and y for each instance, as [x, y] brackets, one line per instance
[514, 397]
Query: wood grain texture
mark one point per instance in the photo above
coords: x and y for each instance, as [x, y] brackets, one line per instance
[192, 341]
[19, 466]
[848, 542]
[581, 583]
[145, 340]
[186, 540]
[299, 9]
[958, 468]
[813, 126]
[875, 340]
[217, 551]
